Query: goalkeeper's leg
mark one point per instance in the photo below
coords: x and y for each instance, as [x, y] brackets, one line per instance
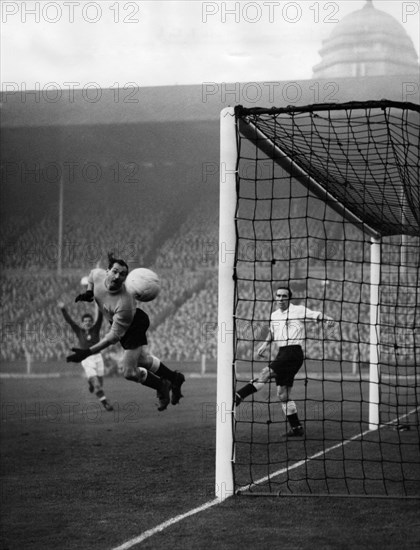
[155, 365]
[254, 385]
[133, 371]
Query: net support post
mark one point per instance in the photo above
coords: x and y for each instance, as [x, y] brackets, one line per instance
[375, 279]
[224, 486]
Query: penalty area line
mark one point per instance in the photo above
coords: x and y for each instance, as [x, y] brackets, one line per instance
[166, 524]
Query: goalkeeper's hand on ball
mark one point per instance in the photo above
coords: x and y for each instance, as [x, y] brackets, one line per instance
[78, 355]
[85, 296]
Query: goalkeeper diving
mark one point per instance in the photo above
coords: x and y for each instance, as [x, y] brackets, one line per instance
[128, 325]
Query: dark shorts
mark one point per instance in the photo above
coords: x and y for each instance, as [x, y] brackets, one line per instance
[286, 365]
[136, 333]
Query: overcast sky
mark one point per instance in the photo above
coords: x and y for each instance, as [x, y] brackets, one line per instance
[155, 43]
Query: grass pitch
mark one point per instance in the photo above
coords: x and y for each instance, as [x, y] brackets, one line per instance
[75, 476]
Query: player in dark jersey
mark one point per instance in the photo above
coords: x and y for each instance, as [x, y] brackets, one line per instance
[87, 335]
[128, 325]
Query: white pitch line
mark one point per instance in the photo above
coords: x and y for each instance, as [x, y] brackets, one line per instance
[165, 524]
[323, 452]
[302, 462]
[150, 532]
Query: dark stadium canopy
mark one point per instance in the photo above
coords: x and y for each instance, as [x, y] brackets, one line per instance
[170, 134]
[361, 158]
[30, 109]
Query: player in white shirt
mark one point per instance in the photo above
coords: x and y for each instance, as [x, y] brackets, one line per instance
[287, 334]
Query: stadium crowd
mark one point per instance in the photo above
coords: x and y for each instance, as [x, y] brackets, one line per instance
[181, 244]
[30, 285]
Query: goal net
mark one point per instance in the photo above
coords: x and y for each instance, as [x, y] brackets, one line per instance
[324, 200]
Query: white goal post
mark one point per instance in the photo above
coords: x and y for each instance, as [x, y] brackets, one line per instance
[224, 423]
[225, 354]
[224, 482]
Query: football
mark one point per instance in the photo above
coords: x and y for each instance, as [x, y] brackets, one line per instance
[143, 284]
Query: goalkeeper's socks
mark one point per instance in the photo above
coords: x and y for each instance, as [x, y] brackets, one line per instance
[164, 372]
[152, 381]
[248, 389]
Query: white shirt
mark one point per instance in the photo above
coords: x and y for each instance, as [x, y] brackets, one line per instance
[288, 327]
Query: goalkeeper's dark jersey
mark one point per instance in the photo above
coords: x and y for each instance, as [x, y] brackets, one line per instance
[86, 337]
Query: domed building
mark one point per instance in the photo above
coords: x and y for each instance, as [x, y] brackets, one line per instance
[367, 42]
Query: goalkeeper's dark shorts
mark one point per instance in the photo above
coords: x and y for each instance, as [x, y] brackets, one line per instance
[136, 333]
[286, 365]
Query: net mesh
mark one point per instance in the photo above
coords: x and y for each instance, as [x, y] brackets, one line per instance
[314, 186]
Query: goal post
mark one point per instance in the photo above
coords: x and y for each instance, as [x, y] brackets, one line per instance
[375, 278]
[225, 333]
[323, 199]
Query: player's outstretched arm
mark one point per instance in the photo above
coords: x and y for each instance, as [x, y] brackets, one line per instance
[67, 317]
[79, 354]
